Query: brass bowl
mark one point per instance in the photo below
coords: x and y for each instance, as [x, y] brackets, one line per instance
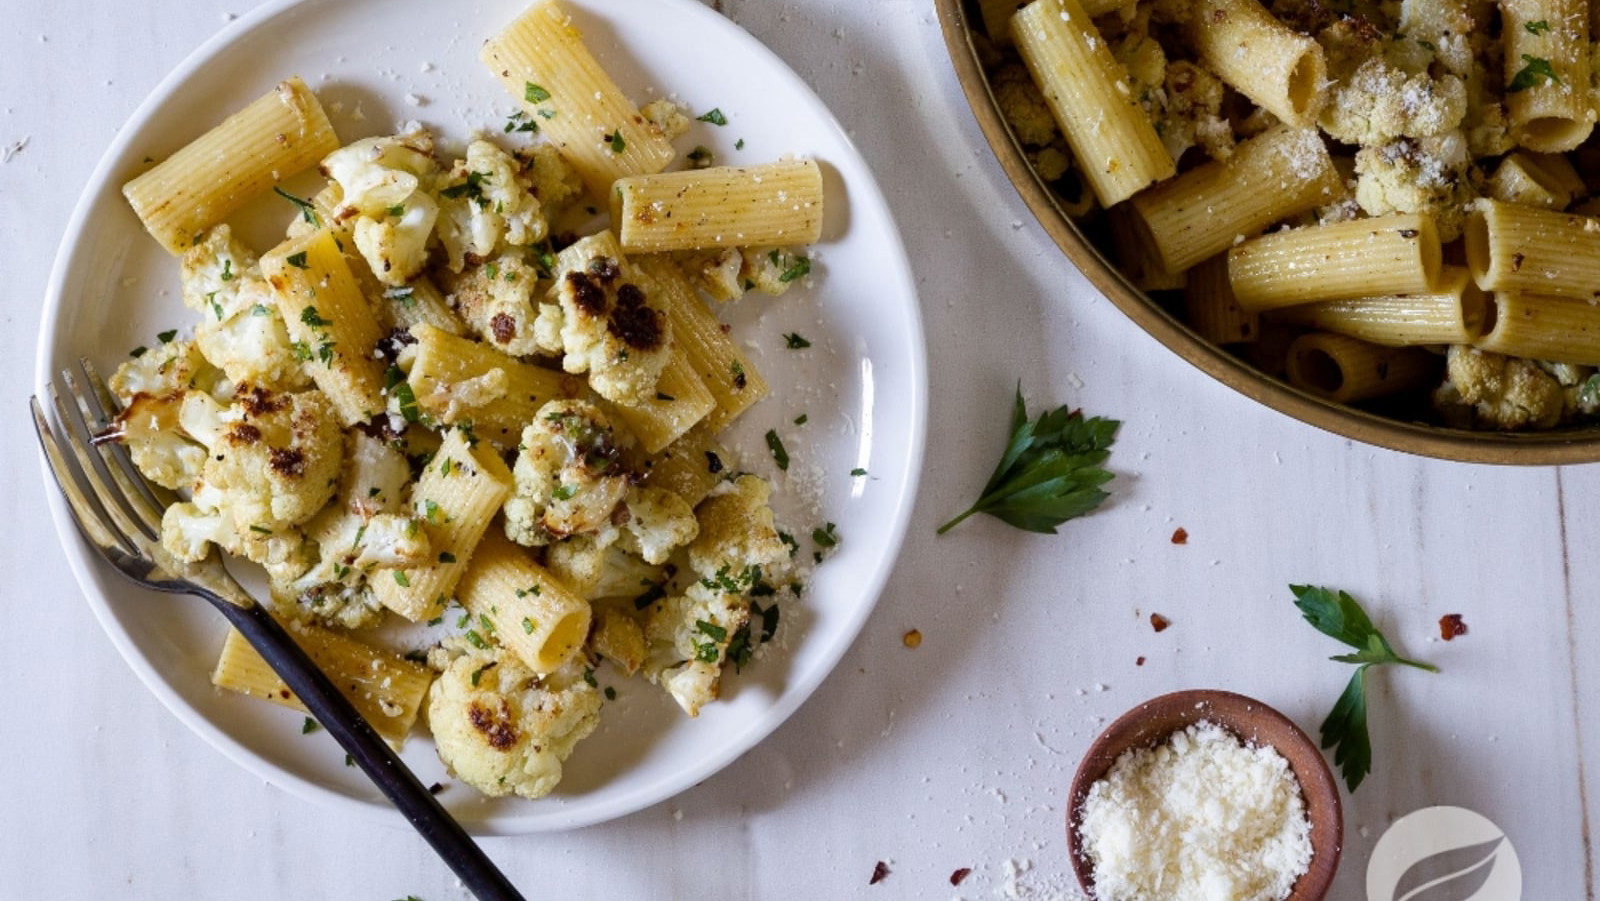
[961, 23]
[1253, 722]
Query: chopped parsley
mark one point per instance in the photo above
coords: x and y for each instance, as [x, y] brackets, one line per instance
[407, 400]
[715, 117]
[611, 693]
[800, 269]
[858, 471]
[297, 260]
[227, 270]
[167, 336]
[403, 294]
[519, 121]
[446, 557]
[138, 352]
[615, 141]
[1540, 27]
[533, 93]
[564, 492]
[527, 625]
[801, 419]
[739, 144]
[796, 341]
[476, 640]
[307, 211]
[588, 676]
[402, 579]
[780, 455]
[826, 536]
[309, 726]
[472, 188]
[311, 317]
[1535, 72]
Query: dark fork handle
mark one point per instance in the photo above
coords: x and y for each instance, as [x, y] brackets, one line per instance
[369, 751]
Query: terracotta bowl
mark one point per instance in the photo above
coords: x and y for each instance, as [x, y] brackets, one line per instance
[1252, 721]
[962, 23]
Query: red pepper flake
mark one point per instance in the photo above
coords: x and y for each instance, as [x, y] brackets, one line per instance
[1139, 662]
[879, 873]
[1450, 626]
[1180, 536]
[1159, 622]
[960, 875]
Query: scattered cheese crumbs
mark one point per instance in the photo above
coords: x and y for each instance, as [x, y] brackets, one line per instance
[1200, 818]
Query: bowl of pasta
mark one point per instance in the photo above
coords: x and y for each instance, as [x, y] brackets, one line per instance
[1381, 223]
[451, 359]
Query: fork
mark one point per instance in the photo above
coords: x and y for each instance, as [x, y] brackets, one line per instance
[119, 513]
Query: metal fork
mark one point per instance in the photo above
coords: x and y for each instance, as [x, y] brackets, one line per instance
[119, 513]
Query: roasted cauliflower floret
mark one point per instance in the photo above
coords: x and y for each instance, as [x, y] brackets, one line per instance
[687, 639]
[1193, 113]
[551, 178]
[151, 389]
[272, 461]
[657, 522]
[1379, 102]
[496, 299]
[486, 205]
[569, 476]
[241, 329]
[726, 273]
[501, 728]
[596, 567]
[1427, 175]
[367, 527]
[1504, 392]
[1023, 105]
[666, 117]
[738, 538]
[604, 325]
[385, 182]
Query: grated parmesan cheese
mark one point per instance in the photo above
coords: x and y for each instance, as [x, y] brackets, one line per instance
[1200, 818]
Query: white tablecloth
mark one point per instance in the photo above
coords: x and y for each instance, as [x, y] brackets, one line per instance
[952, 755]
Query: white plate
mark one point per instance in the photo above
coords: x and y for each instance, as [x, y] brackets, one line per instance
[862, 385]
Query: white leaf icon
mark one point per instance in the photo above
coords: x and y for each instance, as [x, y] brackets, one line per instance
[1453, 875]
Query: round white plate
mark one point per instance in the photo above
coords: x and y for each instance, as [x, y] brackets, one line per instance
[861, 386]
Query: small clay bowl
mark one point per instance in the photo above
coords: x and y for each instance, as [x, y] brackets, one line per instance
[1251, 721]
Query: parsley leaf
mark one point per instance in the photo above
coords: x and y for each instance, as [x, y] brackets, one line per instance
[796, 341]
[780, 455]
[715, 117]
[308, 212]
[1338, 616]
[533, 93]
[1539, 27]
[1534, 72]
[297, 260]
[616, 142]
[1050, 471]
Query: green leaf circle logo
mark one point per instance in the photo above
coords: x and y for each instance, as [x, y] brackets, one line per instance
[1444, 854]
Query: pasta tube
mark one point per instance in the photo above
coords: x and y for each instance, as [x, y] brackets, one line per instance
[690, 467]
[726, 372]
[1397, 254]
[386, 689]
[729, 206]
[1346, 370]
[1518, 248]
[542, 60]
[1547, 72]
[1116, 145]
[1211, 309]
[330, 322]
[1279, 173]
[1452, 314]
[460, 491]
[1262, 58]
[457, 380]
[526, 608]
[268, 141]
[1558, 329]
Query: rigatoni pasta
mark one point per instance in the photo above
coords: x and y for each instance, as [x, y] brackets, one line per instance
[1518, 248]
[1088, 91]
[518, 601]
[1454, 313]
[1264, 59]
[1347, 370]
[1397, 254]
[279, 135]
[773, 204]
[542, 61]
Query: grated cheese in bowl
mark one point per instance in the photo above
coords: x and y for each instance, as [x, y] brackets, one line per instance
[1200, 817]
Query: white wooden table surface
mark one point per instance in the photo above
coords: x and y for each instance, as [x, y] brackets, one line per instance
[952, 755]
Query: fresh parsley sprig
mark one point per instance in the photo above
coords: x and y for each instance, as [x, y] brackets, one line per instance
[1337, 615]
[1050, 471]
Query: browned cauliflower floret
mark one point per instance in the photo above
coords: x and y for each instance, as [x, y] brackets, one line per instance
[1504, 392]
[569, 476]
[1023, 105]
[1193, 113]
[1378, 102]
[151, 388]
[496, 300]
[1427, 175]
[487, 204]
[603, 324]
[502, 728]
